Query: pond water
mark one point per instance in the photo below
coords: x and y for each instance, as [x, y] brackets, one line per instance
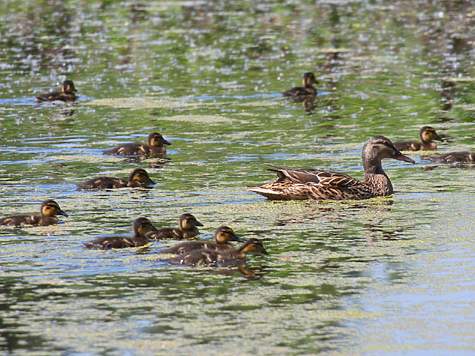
[387, 276]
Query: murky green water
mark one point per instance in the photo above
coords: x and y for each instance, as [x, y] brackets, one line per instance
[381, 277]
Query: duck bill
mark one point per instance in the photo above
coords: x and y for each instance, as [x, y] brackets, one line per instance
[150, 182]
[438, 138]
[61, 212]
[198, 223]
[264, 251]
[236, 238]
[165, 142]
[153, 229]
[400, 157]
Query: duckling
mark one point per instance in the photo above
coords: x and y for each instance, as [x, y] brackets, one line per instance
[138, 178]
[65, 95]
[154, 148]
[454, 157]
[427, 134]
[301, 184]
[222, 237]
[307, 89]
[49, 209]
[187, 230]
[141, 227]
[209, 256]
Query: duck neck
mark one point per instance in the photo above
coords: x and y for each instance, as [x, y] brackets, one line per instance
[376, 178]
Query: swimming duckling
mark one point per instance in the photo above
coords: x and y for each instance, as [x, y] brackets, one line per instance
[65, 95]
[49, 209]
[454, 157]
[301, 184]
[427, 134]
[222, 237]
[154, 148]
[307, 89]
[187, 230]
[141, 227]
[138, 178]
[209, 256]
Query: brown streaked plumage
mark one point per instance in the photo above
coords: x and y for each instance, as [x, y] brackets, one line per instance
[153, 148]
[206, 257]
[222, 238]
[427, 134]
[67, 93]
[187, 230]
[138, 178]
[454, 157]
[141, 227]
[307, 90]
[301, 184]
[49, 209]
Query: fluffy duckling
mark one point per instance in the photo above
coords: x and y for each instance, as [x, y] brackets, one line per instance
[138, 178]
[307, 90]
[67, 93]
[49, 209]
[301, 184]
[427, 134]
[187, 230]
[454, 157]
[141, 227]
[210, 257]
[222, 237]
[154, 148]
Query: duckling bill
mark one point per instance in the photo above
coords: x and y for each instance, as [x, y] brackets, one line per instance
[301, 184]
[49, 209]
[426, 134]
[206, 257]
[138, 178]
[141, 227]
[153, 148]
[67, 93]
[222, 238]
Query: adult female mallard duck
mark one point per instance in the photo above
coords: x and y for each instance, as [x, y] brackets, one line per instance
[454, 157]
[67, 93]
[300, 184]
[141, 227]
[222, 238]
[153, 148]
[427, 134]
[49, 209]
[198, 257]
[138, 178]
[307, 90]
[187, 230]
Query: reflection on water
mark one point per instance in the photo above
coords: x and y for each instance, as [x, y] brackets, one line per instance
[343, 278]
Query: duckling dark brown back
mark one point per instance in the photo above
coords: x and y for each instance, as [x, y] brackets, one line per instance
[454, 157]
[141, 227]
[187, 230]
[222, 237]
[153, 148]
[211, 257]
[138, 178]
[67, 93]
[49, 209]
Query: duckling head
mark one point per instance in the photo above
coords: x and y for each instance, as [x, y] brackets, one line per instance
[68, 86]
[143, 226]
[428, 134]
[253, 245]
[51, 208]
[224, 235]
[141, 175]
[188, 222]
[309, 79]
[156, 140]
